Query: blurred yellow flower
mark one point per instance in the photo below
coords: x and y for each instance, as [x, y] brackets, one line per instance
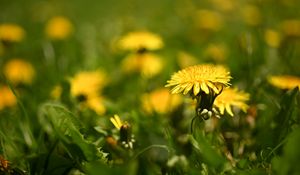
[185, 59]
[8, 99]
[272, 38]
[19, 71]
[140, 40]
[56, 92]
[227, 5]
[229, 98]
[291, 27]
[88, 82]
[86, 87]
[208, 20]
[160, 101]
[207, 78]
[59, 28]
[217, 52]
[147, 64]
[11, 33]
[285, 81]
[251, 15]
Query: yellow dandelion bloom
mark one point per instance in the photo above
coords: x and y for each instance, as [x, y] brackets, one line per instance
[96, 103]
[207, 78]
[272, 38]
[185, 59]
[8, 99]
[11, 33]
[140, 40]
[116, 121]
[227, 5]
[217, 52]
[141, 63]
[19, 71]
[87, 82]
[251, 15]
[291, 27]
[285, 81]
[160, 101]
[229, 98]
[58, 28]
[208, 20]
[56, 92]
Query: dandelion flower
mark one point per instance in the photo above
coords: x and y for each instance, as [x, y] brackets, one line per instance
[11, 33]
[58, 28]
[205, 78]
[229, 98]
[140, 40]
[251, 15]
[126, 138]
[8, 99]
[19, 71]
[285, 81]
[272, 38]
[160, 101]
[141, 63]
[87, 82]
[291, 27]
[56, 92]
[86, 86]
[217, 52]
[208, 20]
[185, 59]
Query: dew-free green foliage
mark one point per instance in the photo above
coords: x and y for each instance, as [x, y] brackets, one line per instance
[42, 134]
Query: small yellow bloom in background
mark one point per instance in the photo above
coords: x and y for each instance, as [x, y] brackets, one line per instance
[58, 28]
[11, 33]
[272, 38]
[147, 64]
[291, 27]
[7, 98]
[205, 78]
[185, 59]
[56, 92]
[140, 40]
[86, 87]
[285, 81]
[208, 20]
[227, 5]
[19, 71]
[160, 101]
[229, 98]
[87, 82]
[217, 52]
[251, 15]
[96, 103]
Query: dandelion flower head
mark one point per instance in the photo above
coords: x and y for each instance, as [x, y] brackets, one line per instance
[8, 99]
[229, 98]
[140, 40]
[58, 28]
[147, 64]
[205, 78]
[87, 82]
[11, 33]
[285, 81]
[19, 71]
[160, 101]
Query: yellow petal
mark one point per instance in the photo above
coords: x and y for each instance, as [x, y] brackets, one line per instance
[228, 109]
[196, 88]
[204, 87]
